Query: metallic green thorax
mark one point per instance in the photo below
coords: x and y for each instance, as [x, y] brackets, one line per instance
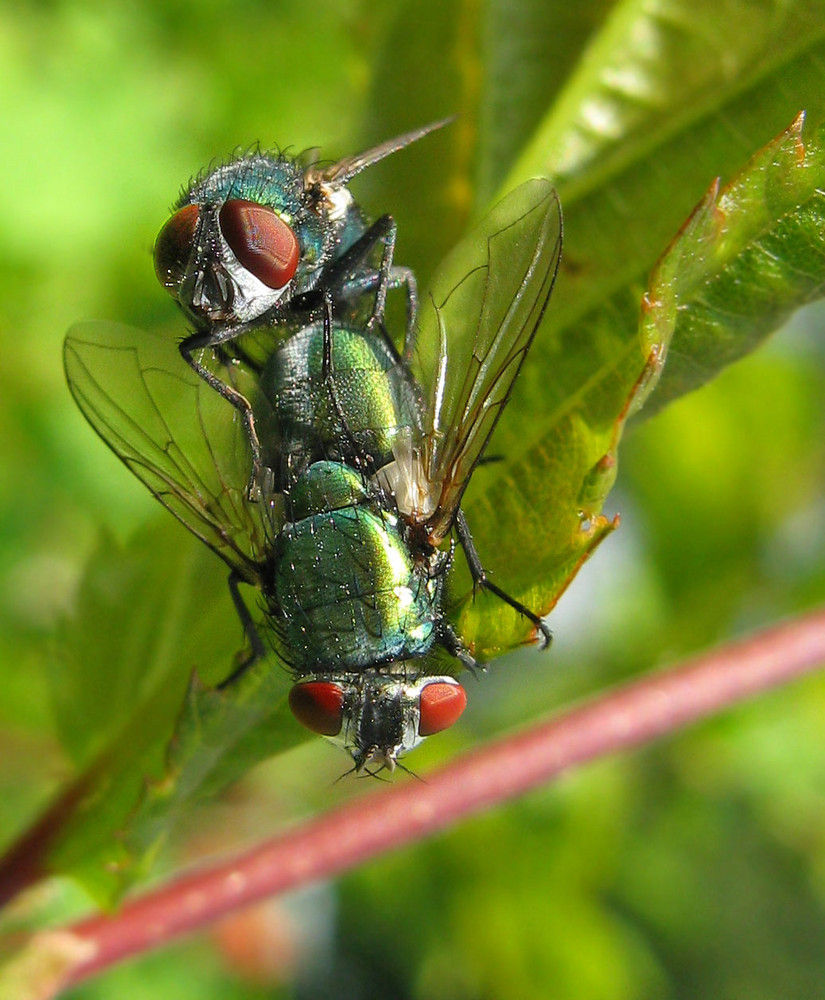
[346, 594]
[353, 412]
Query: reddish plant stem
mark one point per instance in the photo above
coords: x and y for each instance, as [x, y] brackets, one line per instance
[25, 862]
[357, 831]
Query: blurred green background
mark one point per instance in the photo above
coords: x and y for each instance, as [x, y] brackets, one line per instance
[695, 868]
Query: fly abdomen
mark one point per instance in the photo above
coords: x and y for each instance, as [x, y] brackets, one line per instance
[346, 591]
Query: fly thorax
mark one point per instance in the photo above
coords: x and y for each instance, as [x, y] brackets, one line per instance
[347, 591]
[335, 201]
[377, 717]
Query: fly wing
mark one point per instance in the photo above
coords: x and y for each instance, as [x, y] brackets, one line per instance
[485, 305]
[343, 171]
[173, 431]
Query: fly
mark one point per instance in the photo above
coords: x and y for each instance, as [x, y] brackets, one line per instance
[265, 240]
[352, 553]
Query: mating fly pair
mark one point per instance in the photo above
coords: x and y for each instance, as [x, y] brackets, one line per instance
[358, 455]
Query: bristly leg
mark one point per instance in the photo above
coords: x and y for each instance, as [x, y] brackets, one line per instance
[256, 650]
[450, 641]
[344, 287]
[480, 579]
[203, 340]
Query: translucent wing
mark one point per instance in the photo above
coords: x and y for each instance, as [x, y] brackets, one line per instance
[343, 171]
[484, 307]
[173, 431]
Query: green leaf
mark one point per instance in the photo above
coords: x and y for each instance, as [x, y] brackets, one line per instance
[151, 736]
[182, 741]
[656, 73]
[747, 258]
[652, 115]
[147, 616]
[430, 206]
[569, 474]
[662, 100]
[529, 50]
[496, 69]
[541, 519]
[219, 736]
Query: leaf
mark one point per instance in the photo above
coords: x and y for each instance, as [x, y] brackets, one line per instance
[430, 206]
[655, 73]
[219, 736]
[652, 115]
[148, 614]
[540, 518]
[152, 737]
[749, 255]
[529, 51]
[496, 68]
[744, 260]
[663, 99]
[144, 616]
[157, 738]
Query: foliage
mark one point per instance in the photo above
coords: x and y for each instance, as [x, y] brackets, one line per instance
[636, 878]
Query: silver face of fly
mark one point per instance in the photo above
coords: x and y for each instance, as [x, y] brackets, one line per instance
[352, 552]
[219, 285]
[377, 718]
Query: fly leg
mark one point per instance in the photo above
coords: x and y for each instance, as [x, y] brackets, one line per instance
[326, 355]
[397, 277]
[256, 650]
[327, 377]
[197, 341]
[448, 638]
[481, 580]
[447, 635]
[346, 275]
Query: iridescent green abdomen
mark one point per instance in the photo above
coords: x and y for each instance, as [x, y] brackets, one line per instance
[347, 594]
[353, 413]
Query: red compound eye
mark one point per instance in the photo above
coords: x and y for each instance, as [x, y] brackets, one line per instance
[318, 705]
[441, 704]
[261, 241]
[174, 245]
